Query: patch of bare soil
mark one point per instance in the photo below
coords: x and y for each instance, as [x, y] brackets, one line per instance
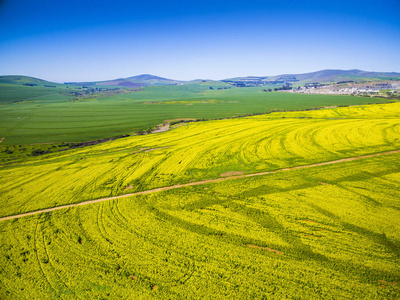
[312, 222]
[264, 248]
[1, 139]
[323, 183]
[129, 187]
[179, 125]
[383, 282]
[153, 149]
[177, 120]
[231, 173]
[148, 149]
[312, 236]
[162, 128]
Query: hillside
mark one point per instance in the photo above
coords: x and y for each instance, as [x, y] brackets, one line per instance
[134, 81]
[338, 75]
[25, 80]
[51, 112]
[322, 76]
[145, 80]
[44, 120]
[16, 88]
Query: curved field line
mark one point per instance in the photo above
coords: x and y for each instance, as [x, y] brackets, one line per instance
[197, 183]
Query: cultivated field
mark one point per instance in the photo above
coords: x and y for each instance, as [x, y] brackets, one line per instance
[197, 151]
[328, 231]
[41, 114]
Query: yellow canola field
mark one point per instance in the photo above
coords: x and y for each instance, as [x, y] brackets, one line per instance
[327, 232]
[199, 151]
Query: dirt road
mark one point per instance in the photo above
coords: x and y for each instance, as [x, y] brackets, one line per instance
[196, 183]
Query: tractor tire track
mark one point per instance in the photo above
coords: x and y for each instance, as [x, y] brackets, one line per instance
[198, 183]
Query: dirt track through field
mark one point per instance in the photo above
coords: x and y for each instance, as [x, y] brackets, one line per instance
[196, 183]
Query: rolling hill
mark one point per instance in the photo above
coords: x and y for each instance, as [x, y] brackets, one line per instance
[323, 76]
[134, 81]
[144, 80]
[24, 80]
[337, 75]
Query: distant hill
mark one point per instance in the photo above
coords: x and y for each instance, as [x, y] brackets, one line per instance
[323, 76]
[134, 81]
[24, 80]
[317, 77]
[337, 75]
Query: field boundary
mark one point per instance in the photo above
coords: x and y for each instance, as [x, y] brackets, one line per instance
[196, 183]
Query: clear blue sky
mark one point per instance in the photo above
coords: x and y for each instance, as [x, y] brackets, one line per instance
[81, 40]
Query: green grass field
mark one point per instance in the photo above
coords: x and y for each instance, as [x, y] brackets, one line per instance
[326, 232]
[51, 115]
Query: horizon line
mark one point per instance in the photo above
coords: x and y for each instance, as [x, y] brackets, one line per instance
[142, 74]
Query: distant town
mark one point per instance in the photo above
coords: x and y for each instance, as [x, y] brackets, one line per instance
[289, 83]
[350, 88]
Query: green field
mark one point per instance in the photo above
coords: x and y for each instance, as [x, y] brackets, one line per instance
[323, 232]
[197, 151]
[39, 114]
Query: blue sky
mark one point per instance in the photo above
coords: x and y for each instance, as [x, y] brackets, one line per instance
[98, 40]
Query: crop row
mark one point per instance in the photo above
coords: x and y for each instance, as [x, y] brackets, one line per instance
[196, 152]
[328, 232]
[52, 118]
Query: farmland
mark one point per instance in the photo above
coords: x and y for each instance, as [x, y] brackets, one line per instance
[197, 151]
[327, 231]
[43, 114]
